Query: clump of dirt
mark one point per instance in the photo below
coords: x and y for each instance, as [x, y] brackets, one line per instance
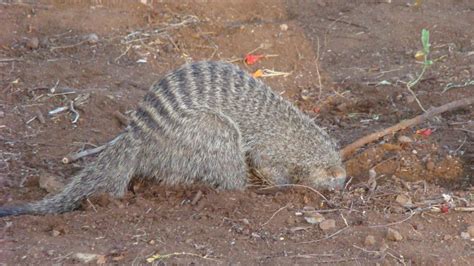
[409, 196]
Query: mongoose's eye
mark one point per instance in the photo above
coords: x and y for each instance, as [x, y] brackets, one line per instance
[336, 172]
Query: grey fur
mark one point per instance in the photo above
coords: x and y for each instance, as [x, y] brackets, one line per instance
[206, 122]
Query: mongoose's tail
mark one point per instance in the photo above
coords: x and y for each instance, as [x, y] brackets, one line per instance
[111, 173]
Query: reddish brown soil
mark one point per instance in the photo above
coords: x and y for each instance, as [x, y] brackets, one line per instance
[356, 44]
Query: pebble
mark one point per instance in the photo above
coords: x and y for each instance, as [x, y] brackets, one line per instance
[470, 230]
[314, 218]
[465, 235]
[86, 257]
[50, 183]
[327, 224]
[409, 99]
[404, 139]
[369, 241]
[32, 43]
[394, 235]
[283, 27]
[404, 200]
[430, 165]
[2, 114]
[291, 220]
[55, 233]
[91, 38]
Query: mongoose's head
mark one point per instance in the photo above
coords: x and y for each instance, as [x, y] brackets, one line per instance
[319, 160]
[332, 177]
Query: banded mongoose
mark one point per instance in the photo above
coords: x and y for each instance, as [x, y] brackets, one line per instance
[206, 122]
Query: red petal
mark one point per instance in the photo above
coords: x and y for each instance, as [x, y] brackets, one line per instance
[444, 209]
[251, 59]
[424, 132]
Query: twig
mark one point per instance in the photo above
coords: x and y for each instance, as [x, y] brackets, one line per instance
[409, 86]
[40, 116]
[58, 110]
[394, 223]
[325, 238]
[348, 23]
[76, 114]
[124, 53]
[453, 86]
[121, 118]
[298, 185]
[197, 197]
[167, 256]
[273, 73]
[76, 156]
[464, 209]
[349, 149]
[275, 213]
[460, 146]
[92, 205]
[10, 59]
[317, 70]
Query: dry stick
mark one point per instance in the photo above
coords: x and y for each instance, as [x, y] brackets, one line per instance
[275, 213]
[76, 156]
[123, 119]
[298, 185]
[349, 149]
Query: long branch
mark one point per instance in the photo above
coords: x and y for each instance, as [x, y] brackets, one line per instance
[349, 149]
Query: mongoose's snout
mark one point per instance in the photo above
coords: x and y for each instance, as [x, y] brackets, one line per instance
[332, 178]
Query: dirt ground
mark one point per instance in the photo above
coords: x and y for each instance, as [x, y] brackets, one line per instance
[409, 194]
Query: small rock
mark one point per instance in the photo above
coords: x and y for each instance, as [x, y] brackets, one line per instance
[447, 237]
[314, 217]
[369, 241]
[343, 107]
[394, 235]
[91, 38]
[404, 200]
[327, 224]
[283, 27]
[409, 99]
[255, 235]
[44, 42]
[291, 220]
[2, 114]
[50, 183]
[299, 228]
[50, 252]
[86, 257]
[32, 43]
[151, 242]
[470, 230]
[55, 233]
[309, 209]
[465, 235]
[372, 173]
[404, 139]
[430, 166]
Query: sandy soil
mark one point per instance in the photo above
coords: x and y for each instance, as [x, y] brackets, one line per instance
[348, 65]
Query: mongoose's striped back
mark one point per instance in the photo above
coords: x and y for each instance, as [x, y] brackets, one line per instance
[208, 122]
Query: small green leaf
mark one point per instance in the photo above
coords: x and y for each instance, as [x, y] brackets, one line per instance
[425, 40]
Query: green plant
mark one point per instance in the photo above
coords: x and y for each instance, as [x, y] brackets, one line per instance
[424, 54]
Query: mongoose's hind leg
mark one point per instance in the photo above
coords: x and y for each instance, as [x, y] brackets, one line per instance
[218, 155]
[205, 147]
